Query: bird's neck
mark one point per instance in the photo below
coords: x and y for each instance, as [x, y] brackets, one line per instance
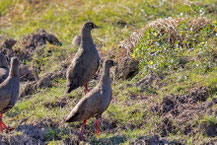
[14, 71]
[105, 76]
[86, 38]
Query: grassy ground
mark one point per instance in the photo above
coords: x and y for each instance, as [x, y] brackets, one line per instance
[180, 69]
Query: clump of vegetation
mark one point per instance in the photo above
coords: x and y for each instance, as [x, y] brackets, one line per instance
[169, 45]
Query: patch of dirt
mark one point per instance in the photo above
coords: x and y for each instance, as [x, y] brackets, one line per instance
[153, 140]
[210, 129]
[198, 94]
[148, 79]
[25, 74]
[183, 110]
[28, 88]
[42, 131]
[151, 79]
[19, 140]
[47, 81]
[6, 48]
[108, 124]
[31, 43]
[167, 105]
[167, 127]
[60, 102]
[25, 48]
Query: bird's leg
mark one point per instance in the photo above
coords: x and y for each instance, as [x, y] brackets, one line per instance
[97, 127]
[86, 87]
[82, 128]
[3, 125]
[1, 128]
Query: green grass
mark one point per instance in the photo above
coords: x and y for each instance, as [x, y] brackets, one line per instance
[129, 116]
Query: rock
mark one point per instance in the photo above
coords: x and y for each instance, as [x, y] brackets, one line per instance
[76, 41]
[127, 68]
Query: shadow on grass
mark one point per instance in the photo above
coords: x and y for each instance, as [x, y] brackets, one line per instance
[44, 132]
[109, 140]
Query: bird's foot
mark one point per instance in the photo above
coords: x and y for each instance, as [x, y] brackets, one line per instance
[2, 125]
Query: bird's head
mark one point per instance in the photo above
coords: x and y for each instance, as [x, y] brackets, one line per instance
[90, 26]
[109, 63]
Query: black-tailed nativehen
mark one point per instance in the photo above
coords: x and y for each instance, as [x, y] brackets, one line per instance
[85, 62]
[4, 70]
[95, 102]
[9, 91]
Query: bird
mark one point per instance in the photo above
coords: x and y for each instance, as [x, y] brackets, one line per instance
[9, 91]
[76, 41]
[4, 70]
[85, 63]
[95, 102]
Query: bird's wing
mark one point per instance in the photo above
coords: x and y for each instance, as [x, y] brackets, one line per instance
[3, 74]
[5, 97]
[75, 69]
[88, 106]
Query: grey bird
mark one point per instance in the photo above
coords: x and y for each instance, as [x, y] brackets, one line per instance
[94, 103]
[9, 91]
[4, 70]
[85, 62]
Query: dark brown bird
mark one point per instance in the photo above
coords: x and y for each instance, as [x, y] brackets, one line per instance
[86, 61]
[9, 91]
[4, 70]
[94, 103]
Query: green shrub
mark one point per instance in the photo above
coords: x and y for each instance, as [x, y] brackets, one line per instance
[159, 51]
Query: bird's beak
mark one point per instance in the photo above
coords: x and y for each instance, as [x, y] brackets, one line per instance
[95, 26]
[115, 64]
